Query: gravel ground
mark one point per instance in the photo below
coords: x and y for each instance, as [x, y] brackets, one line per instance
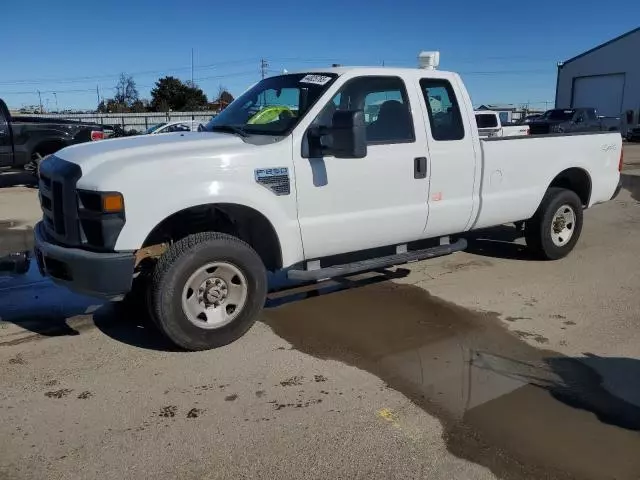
[479, 365]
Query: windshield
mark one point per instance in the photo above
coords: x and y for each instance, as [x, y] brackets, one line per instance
[155, 127]
[486, 120]
[273, 106]
[563, 115]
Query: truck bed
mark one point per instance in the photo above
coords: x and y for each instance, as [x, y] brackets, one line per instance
[515, 178]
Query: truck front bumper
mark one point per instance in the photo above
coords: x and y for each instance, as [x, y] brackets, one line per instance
[105, 275]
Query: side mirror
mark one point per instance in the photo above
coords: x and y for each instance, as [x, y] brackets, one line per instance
[345, 138]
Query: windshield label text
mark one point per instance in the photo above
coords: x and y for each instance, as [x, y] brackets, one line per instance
[315, 79]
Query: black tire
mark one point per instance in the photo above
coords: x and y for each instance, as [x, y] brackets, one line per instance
[172, 272]
[538, 228]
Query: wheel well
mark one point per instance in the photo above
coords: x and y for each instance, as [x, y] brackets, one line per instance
[240, 221]
[47, 147]
[576, 180]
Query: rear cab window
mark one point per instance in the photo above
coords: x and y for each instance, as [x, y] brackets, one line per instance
[445, 118]
[486, 120]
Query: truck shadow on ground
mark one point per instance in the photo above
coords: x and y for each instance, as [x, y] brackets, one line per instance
[130, 323]
[520, 411]
[498, 242]
[632, 184]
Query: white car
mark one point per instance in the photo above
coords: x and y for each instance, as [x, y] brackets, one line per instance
[172, 127]
[193, 222]
[490, 125]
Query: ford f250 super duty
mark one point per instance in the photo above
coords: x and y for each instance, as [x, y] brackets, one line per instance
[315, 189]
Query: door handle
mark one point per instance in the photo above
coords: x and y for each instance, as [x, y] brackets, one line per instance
[420, 167]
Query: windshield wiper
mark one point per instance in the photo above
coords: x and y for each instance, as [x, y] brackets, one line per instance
[229, 128]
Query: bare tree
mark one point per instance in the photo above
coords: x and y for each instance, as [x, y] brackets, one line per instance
[126, 91]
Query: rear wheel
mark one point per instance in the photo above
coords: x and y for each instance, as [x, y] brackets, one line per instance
[207, 290]
[554, 230]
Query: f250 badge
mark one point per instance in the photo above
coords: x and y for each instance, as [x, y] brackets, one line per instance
[608, 147]
[262, 173]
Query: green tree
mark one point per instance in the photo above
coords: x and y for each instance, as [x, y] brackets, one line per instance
[172, 93]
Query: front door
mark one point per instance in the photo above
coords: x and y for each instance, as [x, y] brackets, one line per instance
[6, 143]
[346, 204]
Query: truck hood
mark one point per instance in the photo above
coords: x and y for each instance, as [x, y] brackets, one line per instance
[149, 147]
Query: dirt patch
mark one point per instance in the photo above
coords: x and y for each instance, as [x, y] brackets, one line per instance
[63, 392]
[293, 381]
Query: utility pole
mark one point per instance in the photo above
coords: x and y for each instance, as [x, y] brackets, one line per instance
[192, 84]
[98, 93]
[55, 95]
[263, 67]
[40, 97]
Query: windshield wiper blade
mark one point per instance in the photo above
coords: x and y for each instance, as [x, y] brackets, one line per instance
[229, 128]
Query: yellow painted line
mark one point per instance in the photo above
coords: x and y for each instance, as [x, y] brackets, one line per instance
[392, 417]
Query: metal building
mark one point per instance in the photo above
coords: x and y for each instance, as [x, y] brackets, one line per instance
[606, 77]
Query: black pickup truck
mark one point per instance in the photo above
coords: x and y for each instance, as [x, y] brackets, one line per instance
[25, 141]
[568, 120]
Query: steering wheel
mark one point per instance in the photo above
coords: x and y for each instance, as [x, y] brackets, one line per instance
[270, 114]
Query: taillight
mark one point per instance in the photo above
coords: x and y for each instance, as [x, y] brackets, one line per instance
[97, 135]
[621, 160]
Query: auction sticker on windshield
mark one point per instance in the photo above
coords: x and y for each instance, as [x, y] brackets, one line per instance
[315, 79]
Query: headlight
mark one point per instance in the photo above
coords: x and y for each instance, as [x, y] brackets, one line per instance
[101, 216]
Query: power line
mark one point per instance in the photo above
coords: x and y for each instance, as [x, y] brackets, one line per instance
[115, 75]
[80, 90]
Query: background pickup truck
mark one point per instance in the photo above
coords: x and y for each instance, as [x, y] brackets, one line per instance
[318, 191]
[572, 120]
[24, 141]
[490, 125]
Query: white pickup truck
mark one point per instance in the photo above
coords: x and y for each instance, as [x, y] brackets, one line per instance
[291, 178]
[490, 125]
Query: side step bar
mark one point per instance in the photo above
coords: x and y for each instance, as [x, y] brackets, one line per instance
[374, 263]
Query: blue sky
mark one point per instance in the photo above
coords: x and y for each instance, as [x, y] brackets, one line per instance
[505, 50]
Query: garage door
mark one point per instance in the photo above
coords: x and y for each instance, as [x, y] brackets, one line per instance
[603, 92]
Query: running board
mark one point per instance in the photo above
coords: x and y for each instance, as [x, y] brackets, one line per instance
[374, 263]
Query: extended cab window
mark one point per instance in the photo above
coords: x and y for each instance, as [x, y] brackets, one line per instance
[444, 112]
[385, 104]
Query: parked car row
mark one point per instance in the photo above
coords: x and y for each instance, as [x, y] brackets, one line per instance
[25, 141]
[572, 120]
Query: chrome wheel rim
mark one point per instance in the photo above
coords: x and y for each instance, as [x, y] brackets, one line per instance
[214, 295]
[563, 225]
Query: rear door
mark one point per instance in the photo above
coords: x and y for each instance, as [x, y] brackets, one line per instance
[6, 141]
[452, 157]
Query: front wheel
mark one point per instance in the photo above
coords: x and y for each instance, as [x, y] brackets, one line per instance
[554, 230]
[207, 290]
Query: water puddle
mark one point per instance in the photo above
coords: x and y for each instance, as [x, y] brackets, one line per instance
[520, 411]
[26, 298]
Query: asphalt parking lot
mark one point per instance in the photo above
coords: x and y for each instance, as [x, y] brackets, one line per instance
[484, 364]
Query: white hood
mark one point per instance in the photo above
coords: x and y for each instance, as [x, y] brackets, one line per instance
[148, 147]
